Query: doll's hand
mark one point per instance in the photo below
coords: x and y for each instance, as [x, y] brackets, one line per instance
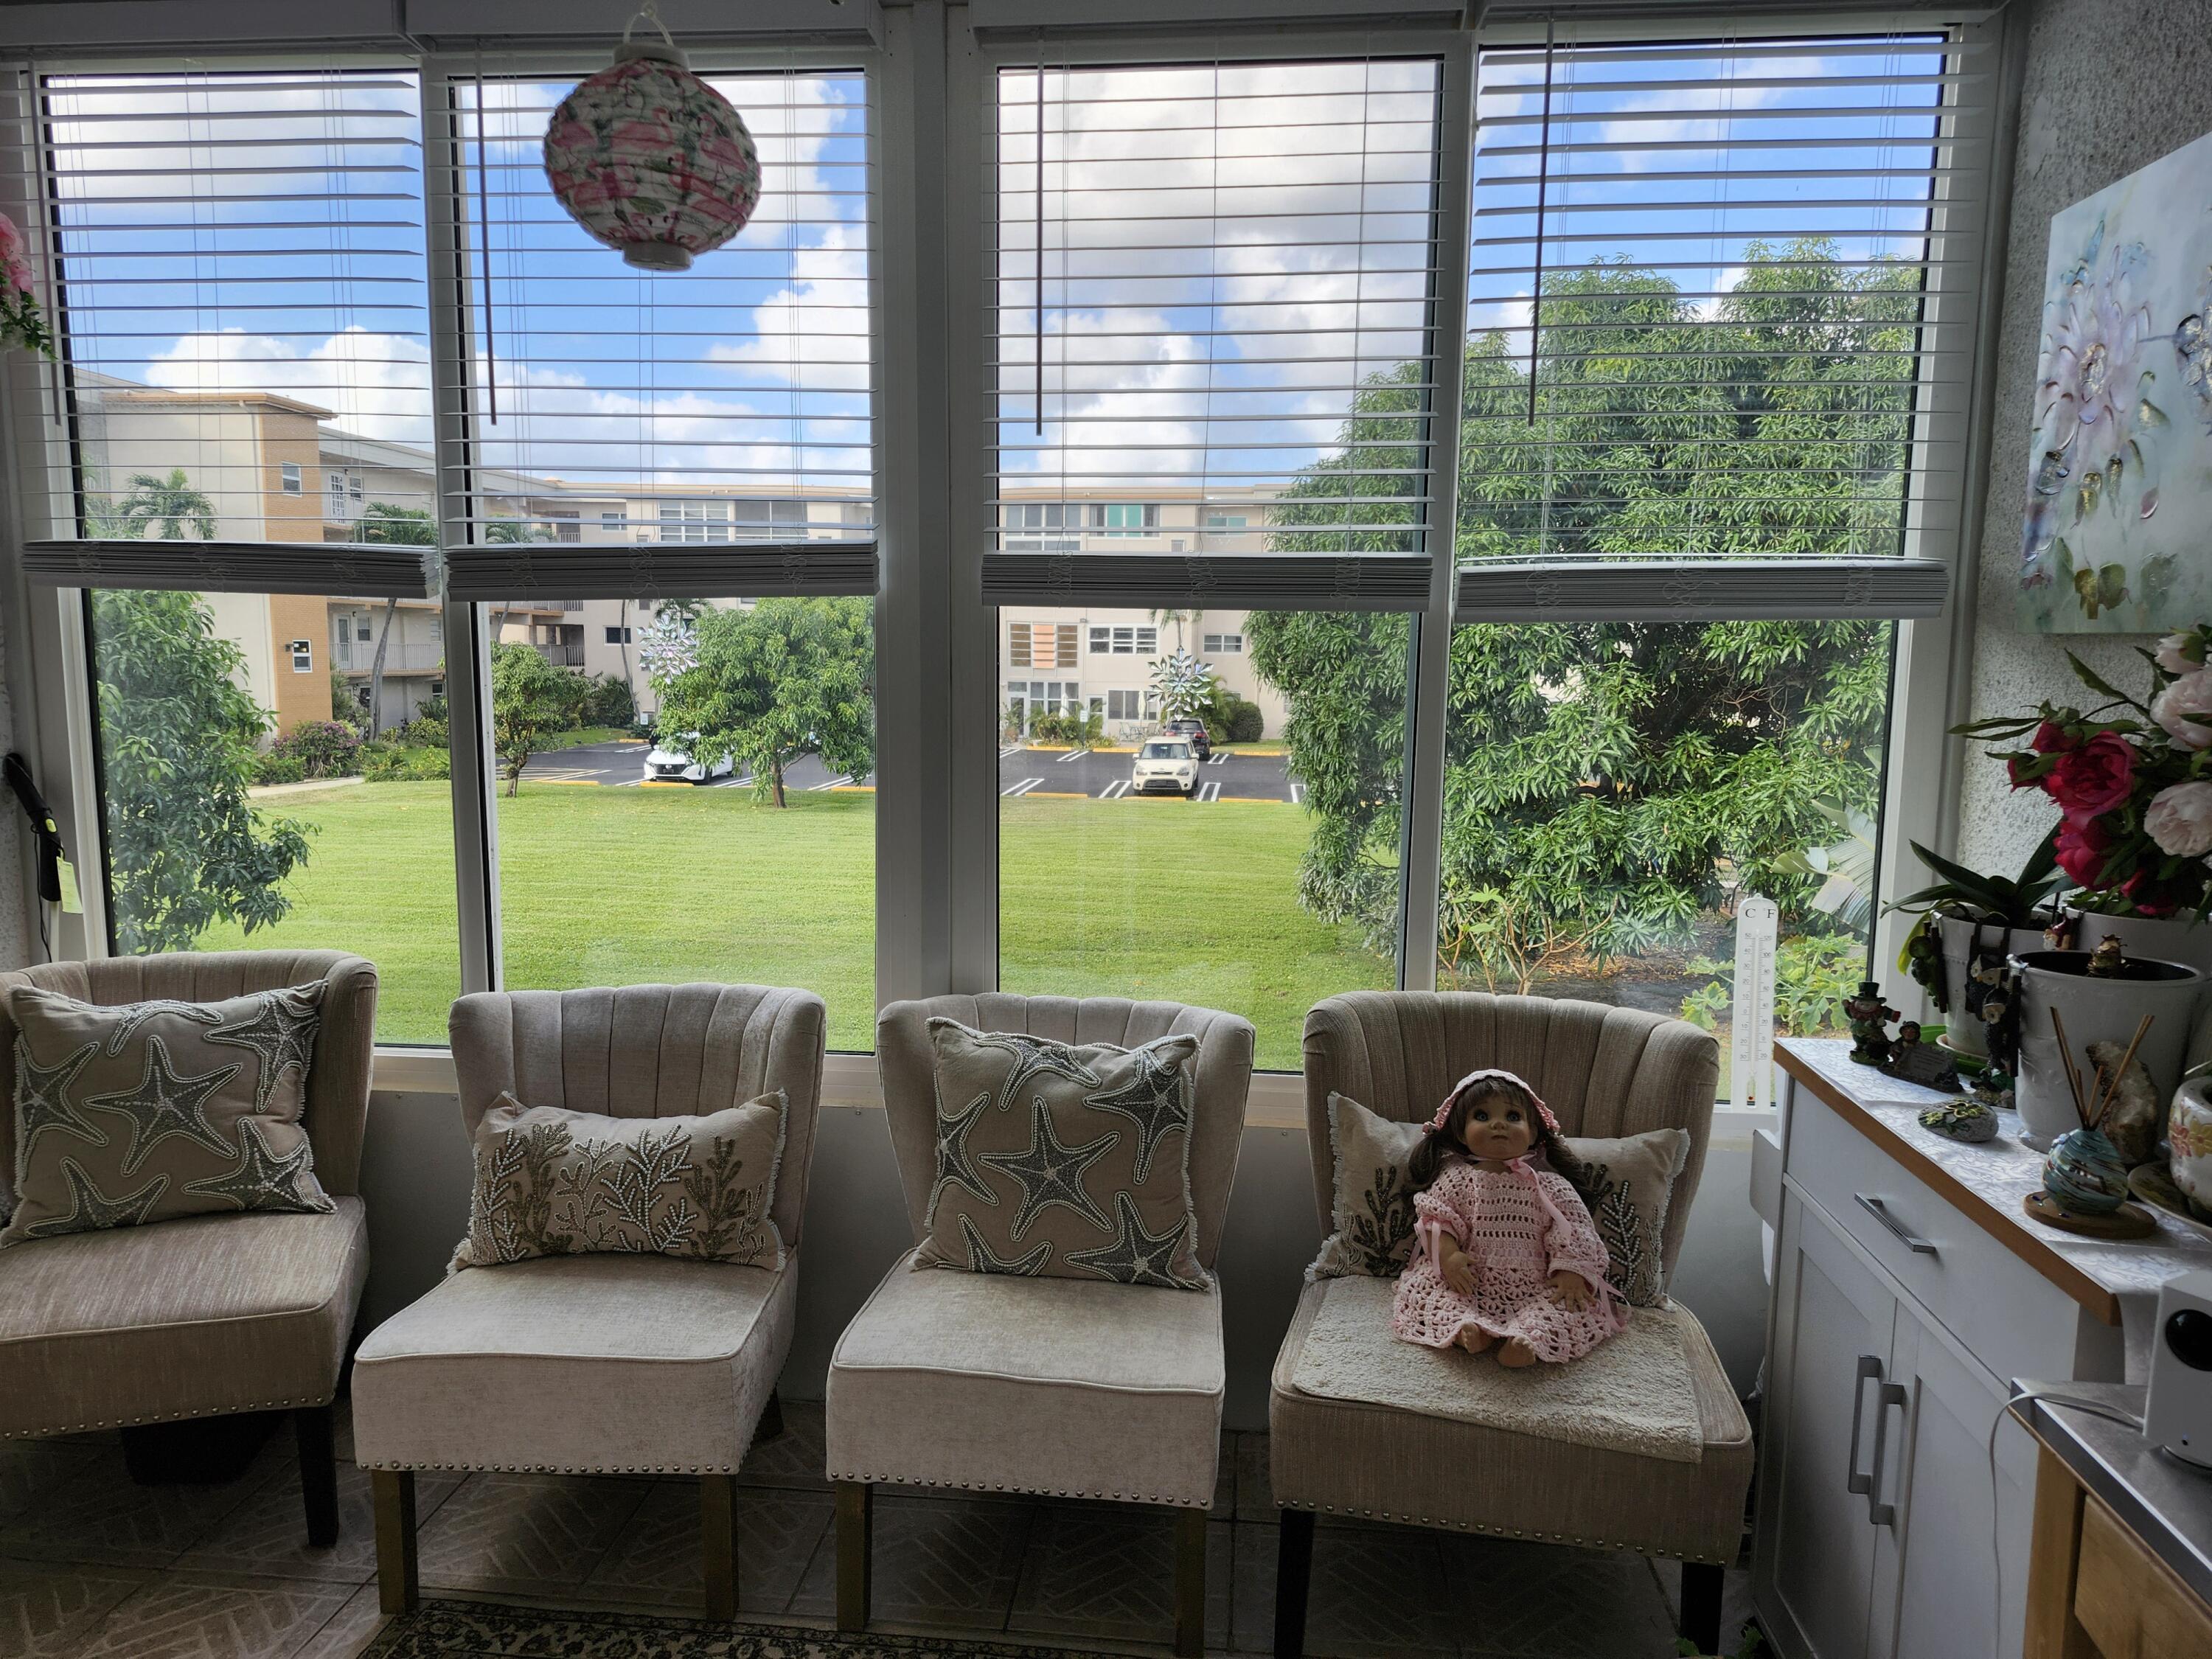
[1570, 1290]
[1459, 1273]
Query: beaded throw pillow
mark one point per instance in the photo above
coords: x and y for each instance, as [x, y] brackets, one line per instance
[145, 1111]
[1066, 1161]
[1627, 1184]
[550, 1181]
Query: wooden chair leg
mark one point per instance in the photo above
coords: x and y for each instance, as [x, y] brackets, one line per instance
[398, 1584]
[855, 1523]
[1293, 1574]
[313, 1428]
[718, 1535]
[1190, 1584]
[770, 1426]
[1701, 1605]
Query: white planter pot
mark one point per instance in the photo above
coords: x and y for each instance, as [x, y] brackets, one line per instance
[2095, 1011]
[1962, 1031]
[2180, 938]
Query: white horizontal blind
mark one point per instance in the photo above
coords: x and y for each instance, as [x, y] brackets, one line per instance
[239, 277]
[1709, 343]
[1212, 303]
[633, 433]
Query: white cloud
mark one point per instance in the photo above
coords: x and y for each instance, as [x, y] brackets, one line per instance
[375, 384]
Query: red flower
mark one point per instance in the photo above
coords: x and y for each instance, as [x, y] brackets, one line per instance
[2094, 778]
[2154, 898]
[2082, 843]
[2051, 738]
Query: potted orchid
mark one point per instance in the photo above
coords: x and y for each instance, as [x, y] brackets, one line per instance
[21, 323]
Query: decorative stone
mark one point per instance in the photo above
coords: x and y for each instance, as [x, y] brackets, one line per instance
[1969, 1121]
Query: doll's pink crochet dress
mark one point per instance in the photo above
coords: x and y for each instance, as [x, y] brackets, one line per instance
[1518, 1225]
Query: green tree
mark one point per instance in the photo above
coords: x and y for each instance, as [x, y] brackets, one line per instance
[531, 699]
[1607, 784]
[186, 847]
[168, 507]
[406, 526]
[774, 680]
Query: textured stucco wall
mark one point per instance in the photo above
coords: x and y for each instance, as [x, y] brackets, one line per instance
[2111, 85]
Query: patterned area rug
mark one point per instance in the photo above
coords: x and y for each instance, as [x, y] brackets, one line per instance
[479, 1630]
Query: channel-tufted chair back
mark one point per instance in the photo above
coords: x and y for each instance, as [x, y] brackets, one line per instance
[650, 1051]
[338, 1082]
[1604, 1070]
[1224, 1077]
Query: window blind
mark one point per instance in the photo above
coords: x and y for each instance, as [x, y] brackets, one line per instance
[237, 262]
[1697, 318]
[1212, 303]
[662, 434]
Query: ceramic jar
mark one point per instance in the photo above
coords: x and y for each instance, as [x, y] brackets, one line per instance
[2095, 1011]
[1962, 1031]
[2188, 1138]
[2084, 1172]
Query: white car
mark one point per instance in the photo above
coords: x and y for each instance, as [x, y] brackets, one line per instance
[667, 763]
[1167, 764]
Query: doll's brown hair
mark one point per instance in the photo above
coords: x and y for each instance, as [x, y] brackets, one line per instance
[1435, 1144]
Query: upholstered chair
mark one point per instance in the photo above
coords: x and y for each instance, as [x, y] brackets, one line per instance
[203, 1316]
[1605, 1072]
[994, 1382]
[609, 1364]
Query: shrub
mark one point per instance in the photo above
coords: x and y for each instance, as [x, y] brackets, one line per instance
[391, 763]
[609, 701]
[424, 732]
[278, 768]
[1246, 724]
[323, 749]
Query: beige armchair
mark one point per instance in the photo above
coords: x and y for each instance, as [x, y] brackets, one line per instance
[1605, 1072]
[600, 1364]
[998, 1384]
[204, 1316]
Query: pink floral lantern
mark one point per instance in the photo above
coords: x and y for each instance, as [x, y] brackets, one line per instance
[651, 161]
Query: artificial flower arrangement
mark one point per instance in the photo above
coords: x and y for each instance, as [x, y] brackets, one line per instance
[22, 323]
[2132, 781]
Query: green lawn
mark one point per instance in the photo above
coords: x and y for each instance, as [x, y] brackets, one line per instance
[604, 886]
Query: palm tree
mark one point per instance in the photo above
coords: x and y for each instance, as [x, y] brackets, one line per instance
[407, 526]
[170, 505]
[1178, 618]
[507, 532]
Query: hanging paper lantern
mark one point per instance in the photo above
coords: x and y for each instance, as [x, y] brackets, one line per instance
[651, 161]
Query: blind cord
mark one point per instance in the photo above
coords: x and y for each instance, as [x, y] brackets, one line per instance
[1543, 183]
[484, 235]
[2094, 1408]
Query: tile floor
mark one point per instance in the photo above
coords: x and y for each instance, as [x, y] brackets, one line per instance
[94, 1567]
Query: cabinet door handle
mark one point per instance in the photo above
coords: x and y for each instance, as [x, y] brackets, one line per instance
[1878, 1513]
[1903, 1235]
[1869, 1366]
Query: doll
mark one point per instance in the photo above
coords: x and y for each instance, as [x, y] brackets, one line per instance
[1505, 1254]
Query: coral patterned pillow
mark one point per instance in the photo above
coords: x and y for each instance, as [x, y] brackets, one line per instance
[555, 1183]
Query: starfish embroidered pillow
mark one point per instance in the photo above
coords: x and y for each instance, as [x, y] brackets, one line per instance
[550, 1181]
[1065, 1161]
[145, 1111]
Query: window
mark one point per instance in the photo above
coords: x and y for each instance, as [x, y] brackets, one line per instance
[694, 521]
[1124, 518]
[1131, 703]
[334, 495]
[1225, 520]
[618, 635]
[1041, 644]
[1224, 645]
[1124, 642]
[612, 520]
[566, 526]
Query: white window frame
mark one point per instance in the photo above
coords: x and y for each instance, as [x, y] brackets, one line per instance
[289, 479]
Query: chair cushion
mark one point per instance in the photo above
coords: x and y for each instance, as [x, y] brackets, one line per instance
[998, 1384]
[187, 1318]
[576, 1364]
[1346, 1457]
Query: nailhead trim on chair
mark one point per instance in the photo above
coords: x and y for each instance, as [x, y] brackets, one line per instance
[1508, 1532]
[167, 1417]
[1001, 1485]
[556, 1468]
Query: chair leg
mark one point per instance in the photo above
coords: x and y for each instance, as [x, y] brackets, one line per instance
[718, 1535]
[398, 1585]
[1190, 1584]
[770, 1426]
[312, 1428]
[1701, 1605]
[856, 1501]
[1293, 1575]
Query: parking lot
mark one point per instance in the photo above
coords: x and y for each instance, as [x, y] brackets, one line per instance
[1044, 774]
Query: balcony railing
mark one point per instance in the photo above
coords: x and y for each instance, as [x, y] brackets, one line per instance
[359, 656]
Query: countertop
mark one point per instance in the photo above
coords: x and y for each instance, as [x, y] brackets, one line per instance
[2117, 1280]
[2165, 1502]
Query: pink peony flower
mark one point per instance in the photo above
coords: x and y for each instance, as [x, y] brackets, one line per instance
[2182, 707]
[19, 273]
[2082, 846]
[2173, 654]
[2179, 819]
[2096, 777]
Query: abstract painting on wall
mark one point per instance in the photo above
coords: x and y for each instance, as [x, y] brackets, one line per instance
[2117, 535]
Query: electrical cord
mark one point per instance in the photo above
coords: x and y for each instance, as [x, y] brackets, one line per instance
[2095, 1408]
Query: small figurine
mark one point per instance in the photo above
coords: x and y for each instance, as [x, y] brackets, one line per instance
[1505, 1256]
[1970, 1120]
[1869, 1017]
[2107, 961]
[1924, 960]
[2062, 933]
[1986, 987]
[1912, 1060]
[1991, 1086]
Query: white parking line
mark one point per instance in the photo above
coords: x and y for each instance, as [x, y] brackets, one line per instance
[1023, 787]
[1217, 757]
[1010, 749]
[1073, 754]
[1115, 790]
[1209, 791]
[1297, 793]
[836, 782]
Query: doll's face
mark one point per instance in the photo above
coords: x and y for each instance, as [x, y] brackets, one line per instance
[1497, 1126]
